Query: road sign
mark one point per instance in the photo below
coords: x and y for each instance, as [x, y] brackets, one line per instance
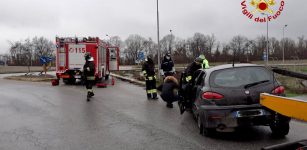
[141, 56]
[264, 56]
[45, 60]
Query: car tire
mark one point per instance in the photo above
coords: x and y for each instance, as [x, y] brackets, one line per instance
[280, 130]
[66, 82]
[200, 125]
[280, 126]
[195, 116]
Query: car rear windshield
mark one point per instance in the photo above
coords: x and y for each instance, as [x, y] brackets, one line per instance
[239, 77]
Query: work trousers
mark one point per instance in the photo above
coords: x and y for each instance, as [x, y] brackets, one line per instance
[89, 83]
[151, 88]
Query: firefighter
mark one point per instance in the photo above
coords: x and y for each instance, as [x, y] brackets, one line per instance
[192, 68]
[188, 80]
[148, 69]
[169, 91]
[89, 74]
[167, 66]
[205, 63]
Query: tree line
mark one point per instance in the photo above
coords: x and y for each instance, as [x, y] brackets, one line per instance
[27, 52]
[186, 50]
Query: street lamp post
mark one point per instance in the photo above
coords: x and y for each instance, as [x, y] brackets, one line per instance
[158, 35]
[109, 41]
[283, 44]
[267, 37]
[170, 45]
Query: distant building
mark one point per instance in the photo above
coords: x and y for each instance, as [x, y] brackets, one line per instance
[2, 60]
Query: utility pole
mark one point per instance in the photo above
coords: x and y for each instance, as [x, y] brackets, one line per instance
[158, 34]
[283, 44]
[267, 38]
[170, 45]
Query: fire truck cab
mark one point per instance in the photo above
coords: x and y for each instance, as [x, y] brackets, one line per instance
[70, 58]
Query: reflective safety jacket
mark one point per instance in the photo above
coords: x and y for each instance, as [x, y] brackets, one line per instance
[192, 68]
[167, 65]
[205, 64]
[148, 70]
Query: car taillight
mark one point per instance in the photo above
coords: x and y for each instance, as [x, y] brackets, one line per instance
[279, 90]
[212, 96]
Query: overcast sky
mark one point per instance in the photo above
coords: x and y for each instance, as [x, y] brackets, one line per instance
[21, 19]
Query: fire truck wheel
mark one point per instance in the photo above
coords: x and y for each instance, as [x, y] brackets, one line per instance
[65, 81]
[106, 77]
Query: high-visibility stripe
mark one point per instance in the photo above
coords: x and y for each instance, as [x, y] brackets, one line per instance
[188, 78]
[154, 90]
[290, 107]
[150, 78]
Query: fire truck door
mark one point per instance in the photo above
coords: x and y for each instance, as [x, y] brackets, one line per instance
[76, 55]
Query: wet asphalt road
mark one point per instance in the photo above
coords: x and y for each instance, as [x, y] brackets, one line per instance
[37, 116]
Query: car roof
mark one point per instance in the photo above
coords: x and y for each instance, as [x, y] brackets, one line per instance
[227, 66]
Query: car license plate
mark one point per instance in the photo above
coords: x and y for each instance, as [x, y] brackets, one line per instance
[77, 77]
[249, 113]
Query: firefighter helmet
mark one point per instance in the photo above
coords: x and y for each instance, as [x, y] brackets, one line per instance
[87, 56]
[199, 60]
[91, 59]
[202, 56]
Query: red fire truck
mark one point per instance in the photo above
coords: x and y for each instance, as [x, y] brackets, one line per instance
[70, 58]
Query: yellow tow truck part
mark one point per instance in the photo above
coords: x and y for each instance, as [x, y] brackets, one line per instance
[290, 107]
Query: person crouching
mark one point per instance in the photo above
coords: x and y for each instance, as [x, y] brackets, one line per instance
[169, 92]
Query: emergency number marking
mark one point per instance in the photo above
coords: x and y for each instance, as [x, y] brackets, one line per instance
[76, 55]
[77, 50]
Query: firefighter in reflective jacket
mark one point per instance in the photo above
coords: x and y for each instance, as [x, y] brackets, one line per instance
[187, 83]
[192, 68]
[89, 74]
[205, 63]
[149, 74]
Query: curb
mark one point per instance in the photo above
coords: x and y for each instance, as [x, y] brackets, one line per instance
[28, 79]
[129, 79]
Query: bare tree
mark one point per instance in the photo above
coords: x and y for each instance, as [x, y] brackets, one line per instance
[116, 41]
[198, 44]
[28, 48]
[238, 44]
[150, 48]
[25, 52]
[167, 43]
[211, 40]
[182, 54]
[43, 47]
[134, 44]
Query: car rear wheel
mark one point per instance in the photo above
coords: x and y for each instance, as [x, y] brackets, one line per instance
[280, 125]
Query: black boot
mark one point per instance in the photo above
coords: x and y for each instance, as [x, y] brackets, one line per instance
[155, 96]
[148, 96]
[92, 94]
[88, 94]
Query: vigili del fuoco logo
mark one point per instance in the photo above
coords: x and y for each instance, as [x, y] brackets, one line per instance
[262, 10]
